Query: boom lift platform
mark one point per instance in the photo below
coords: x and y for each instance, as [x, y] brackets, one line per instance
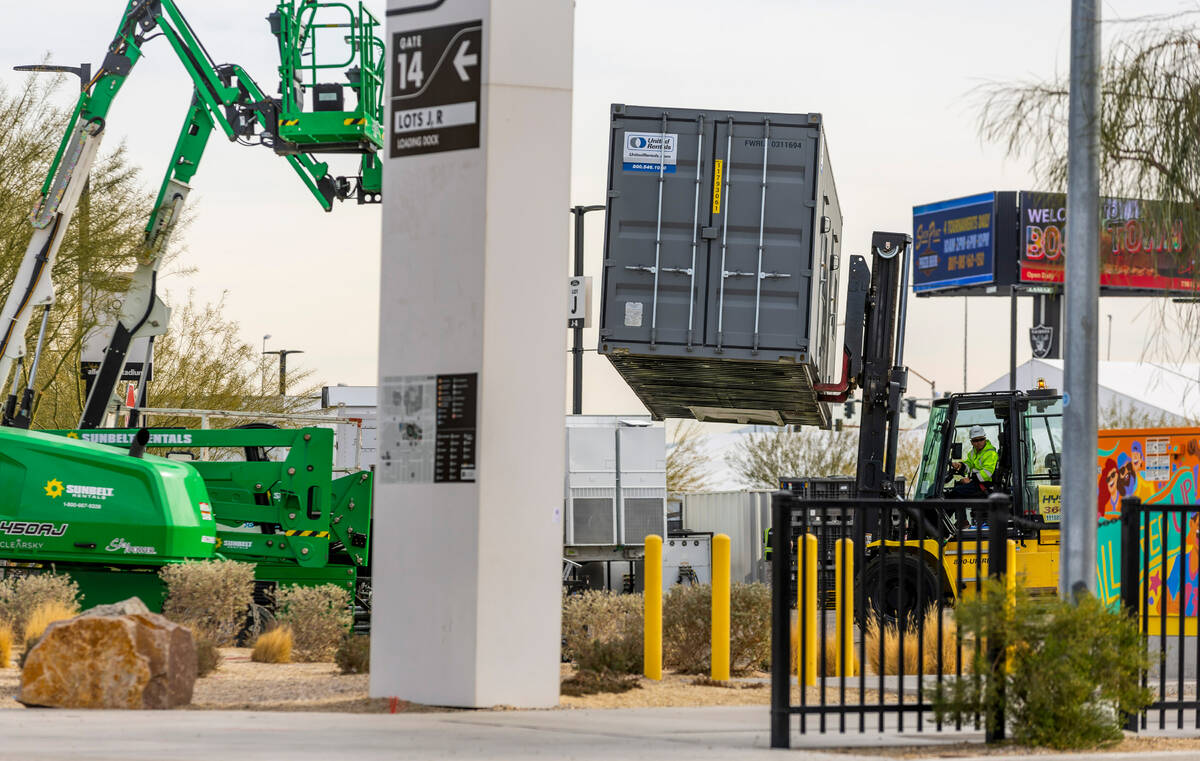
[345, 118]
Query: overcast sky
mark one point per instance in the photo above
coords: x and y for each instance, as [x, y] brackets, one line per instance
[894, 82]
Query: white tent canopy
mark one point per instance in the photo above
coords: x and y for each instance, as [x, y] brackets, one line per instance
[1170, 393]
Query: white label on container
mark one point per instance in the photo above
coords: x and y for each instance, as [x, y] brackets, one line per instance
[633, 314]
[648, 151]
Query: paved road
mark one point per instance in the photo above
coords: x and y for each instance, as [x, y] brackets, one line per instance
[657, 734]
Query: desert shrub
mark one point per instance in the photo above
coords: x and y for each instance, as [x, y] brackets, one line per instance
[44, 615]
[209, 596]
[687, 627]
[887, 638]
[208, 657]
[6, 644]
[319, 618]
[1073, 668]
[274, 646]
[602, 616]
[353, 656]
[615, 656]
[21, 595]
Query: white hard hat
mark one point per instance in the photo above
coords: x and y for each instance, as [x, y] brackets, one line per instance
[977, 432]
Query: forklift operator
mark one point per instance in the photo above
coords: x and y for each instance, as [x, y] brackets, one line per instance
[976, 468]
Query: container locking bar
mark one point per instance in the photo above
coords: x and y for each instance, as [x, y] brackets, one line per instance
[662, 167]
[762, 212]
[724, 238]
[695, 228]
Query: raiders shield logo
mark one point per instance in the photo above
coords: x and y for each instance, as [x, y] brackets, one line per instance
[1040, 338]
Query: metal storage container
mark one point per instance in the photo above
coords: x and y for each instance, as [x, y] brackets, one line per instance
[721, 245]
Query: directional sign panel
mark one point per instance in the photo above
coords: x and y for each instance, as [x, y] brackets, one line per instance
[436, 76]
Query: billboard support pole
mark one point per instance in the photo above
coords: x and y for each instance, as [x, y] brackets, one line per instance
[1012, 339]
[1077, 553]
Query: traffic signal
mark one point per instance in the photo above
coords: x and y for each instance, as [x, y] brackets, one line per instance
[911, 405]
[849, 410]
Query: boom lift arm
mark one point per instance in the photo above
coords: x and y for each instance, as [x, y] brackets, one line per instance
[225, 96]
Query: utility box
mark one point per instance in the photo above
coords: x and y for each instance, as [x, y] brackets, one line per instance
[616, 485]
[721, 254]
[687, 560]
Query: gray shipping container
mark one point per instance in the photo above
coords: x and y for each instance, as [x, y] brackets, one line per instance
[721, 251]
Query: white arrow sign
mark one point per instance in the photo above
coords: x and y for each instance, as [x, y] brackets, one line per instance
[462, 60]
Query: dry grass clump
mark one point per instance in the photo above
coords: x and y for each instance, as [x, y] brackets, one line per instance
[6, 643]
[208, 657]
[20, 596]
[889, 637]
[44, 615]
[209, 596]
[274, 646]
[353, 656]
[319, 618]
[591, 682]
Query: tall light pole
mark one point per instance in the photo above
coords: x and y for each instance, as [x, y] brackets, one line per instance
[1077, 553]
[264, 372]
[283, 355]
[577, 345]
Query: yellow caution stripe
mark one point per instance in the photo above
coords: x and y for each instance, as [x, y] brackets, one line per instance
[317, 534]
[348, 122]
[288, 122]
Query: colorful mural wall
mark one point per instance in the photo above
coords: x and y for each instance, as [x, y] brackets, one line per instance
[1159, 466]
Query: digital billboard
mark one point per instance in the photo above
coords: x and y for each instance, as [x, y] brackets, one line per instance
[954, 243]
[1137, 251]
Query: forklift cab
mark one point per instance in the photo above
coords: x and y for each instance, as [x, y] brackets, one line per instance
[1026, 430]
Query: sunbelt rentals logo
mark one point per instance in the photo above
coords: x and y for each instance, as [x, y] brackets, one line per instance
[55, 489]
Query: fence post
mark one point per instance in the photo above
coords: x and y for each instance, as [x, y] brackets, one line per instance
[652, 608]
[1131, 564]
[998, 514]
[720, 607]
[806, 588]
[781, 619]
[1010, 594]
[844, 601]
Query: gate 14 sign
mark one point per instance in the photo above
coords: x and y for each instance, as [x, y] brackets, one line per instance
[436, 76]
[1136, 251]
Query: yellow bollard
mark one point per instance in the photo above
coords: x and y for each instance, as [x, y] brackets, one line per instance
[806, 602]
[720, 607]
[652, 609]
[844, 586]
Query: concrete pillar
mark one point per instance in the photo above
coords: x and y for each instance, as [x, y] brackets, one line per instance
[469, 489]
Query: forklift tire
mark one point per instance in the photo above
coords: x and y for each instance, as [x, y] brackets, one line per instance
[883, 605]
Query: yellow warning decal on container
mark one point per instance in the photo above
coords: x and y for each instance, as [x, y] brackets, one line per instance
[717, 185]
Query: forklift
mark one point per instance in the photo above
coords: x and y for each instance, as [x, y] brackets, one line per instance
[920, 556]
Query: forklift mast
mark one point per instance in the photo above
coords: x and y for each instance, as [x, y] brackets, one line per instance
[346, 118]
[876, 306]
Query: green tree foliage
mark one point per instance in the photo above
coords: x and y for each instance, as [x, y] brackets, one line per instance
[761, 459]
[686, 463]
[200, 363]
[1149, 139]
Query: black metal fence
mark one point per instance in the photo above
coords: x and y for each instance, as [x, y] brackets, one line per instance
[1160, 545]
[910, 561]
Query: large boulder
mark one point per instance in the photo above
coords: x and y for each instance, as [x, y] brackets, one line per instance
[114, 656]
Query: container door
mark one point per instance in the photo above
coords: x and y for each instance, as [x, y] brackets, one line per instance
[760, 262]
[660, 184]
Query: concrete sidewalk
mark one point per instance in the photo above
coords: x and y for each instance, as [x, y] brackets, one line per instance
[654, 734]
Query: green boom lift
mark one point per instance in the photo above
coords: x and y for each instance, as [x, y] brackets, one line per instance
[110, 518]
